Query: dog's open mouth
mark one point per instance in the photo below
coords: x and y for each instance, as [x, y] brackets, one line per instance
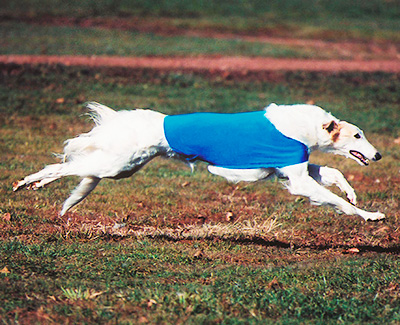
[360, 157]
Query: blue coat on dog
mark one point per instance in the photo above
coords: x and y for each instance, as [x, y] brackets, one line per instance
[237, 141]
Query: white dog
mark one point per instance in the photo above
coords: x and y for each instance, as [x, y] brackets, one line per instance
[240, 147]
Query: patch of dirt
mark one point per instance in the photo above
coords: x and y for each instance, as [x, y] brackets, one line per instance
[349, 236]
[211, 63]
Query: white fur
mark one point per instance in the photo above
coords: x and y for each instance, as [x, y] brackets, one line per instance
[123, 142]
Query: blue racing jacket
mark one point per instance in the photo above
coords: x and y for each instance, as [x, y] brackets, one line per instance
[239, 141]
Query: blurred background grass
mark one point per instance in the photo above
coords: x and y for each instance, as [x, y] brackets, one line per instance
[340, 19]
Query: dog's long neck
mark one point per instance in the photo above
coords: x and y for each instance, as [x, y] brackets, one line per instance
[303, 123]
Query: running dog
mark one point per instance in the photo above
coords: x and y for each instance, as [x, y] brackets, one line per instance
[240, 147]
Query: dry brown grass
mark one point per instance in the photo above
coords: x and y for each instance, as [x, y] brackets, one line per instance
[247, 229]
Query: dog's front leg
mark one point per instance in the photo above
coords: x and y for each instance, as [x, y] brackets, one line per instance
[328, 176]
[301, 183]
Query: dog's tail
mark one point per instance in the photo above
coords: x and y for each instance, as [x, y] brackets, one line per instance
[99, 113]
[84, 143]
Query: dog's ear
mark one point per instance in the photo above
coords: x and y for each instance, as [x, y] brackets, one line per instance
[333, 129]
[331, 126]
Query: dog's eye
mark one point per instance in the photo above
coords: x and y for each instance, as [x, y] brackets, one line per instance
[357, 136]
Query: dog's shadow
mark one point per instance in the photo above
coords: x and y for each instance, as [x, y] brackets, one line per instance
[395, 249]
[346, 249]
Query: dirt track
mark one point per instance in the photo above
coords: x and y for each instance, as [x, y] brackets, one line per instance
[210, 63]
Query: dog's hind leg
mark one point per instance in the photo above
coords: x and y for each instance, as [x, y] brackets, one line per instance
[88, 183]
[328, 176]
[80, 192]
[47, 175]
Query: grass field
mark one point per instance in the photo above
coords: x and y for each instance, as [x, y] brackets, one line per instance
[141, 28]
[56, 40]
[296, 18]
[171, 246]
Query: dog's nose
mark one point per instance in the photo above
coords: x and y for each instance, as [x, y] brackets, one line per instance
[377, 156]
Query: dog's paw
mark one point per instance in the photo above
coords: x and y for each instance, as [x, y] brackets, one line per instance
[35, 186]
[18, 185]
[32, 186]
[352, 197]
[374, 216]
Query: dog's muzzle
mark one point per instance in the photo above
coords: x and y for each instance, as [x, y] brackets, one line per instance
[364, 159]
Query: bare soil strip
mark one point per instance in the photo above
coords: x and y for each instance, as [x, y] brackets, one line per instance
[210, 63]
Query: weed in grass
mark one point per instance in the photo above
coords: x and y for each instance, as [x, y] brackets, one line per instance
[79, 293]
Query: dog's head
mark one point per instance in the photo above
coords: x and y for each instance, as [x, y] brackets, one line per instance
[349, 141]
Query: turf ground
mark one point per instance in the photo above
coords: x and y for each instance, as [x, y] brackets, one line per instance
[169, 245]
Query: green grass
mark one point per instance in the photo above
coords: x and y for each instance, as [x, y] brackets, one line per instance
[29, 38]
[368, 100]
[101, 282]
[343, 19]
[24, 31]
[20, 38]
[83, 269]
[253, 8]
